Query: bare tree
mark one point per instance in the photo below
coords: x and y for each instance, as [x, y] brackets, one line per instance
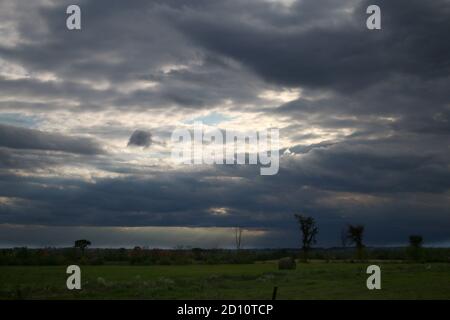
[238, 237]
[415, 246]
[355, 235]
[309, 231]
[415, 241]
[82, 244]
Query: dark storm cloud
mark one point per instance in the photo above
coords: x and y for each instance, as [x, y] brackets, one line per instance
[344, 55]
[121, 54]
[140, 138]
[108, 37]
[23, 138]
[379, 166]
[29, 159]
[281, 45]
[315, 186]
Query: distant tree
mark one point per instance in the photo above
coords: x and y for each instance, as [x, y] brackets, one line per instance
[82, 244]
[415, 241]
[415, 246]
[136, 255]
[238, 237]
[355, 235]
[309, 231]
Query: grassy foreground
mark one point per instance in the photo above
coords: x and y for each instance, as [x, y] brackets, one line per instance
[316, 280]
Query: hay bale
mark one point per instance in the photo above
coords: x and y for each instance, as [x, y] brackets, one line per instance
[287, 264]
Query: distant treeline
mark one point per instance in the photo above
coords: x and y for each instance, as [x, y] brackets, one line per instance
[142, 256]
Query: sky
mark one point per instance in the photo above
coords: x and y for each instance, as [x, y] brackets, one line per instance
[86, 118]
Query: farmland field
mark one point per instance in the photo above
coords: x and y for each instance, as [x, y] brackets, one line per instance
[316, 280]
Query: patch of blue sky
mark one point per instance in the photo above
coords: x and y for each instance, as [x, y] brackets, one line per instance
[19, 120]
[211, 119]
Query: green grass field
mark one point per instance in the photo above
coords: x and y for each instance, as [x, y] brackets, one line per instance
[316, 280]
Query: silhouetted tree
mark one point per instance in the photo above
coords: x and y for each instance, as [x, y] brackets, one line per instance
[238, 237]
[415, 241]
[355, 235]
[415, 246]
[82, 244]
[309, 231]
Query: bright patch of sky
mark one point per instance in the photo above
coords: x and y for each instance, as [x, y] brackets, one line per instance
[19, 119]
[211, 119]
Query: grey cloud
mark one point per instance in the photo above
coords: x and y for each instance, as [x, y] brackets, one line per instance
[389, 174]
[23, 138]
[344, 56]
[140, 138]
[208, 80]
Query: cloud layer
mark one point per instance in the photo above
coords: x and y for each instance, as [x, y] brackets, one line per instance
[364, 114]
